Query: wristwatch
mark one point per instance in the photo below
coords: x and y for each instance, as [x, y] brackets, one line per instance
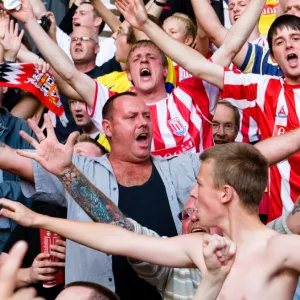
[159, 3]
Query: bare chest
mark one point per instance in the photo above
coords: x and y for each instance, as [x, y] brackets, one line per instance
[132, 176]
[256, 278]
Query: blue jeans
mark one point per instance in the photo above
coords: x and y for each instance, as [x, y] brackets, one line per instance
[297, 294]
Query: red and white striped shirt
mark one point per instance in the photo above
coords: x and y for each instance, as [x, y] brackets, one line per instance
[181, 122]
[275, 106]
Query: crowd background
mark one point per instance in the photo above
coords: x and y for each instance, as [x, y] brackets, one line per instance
[121, 142]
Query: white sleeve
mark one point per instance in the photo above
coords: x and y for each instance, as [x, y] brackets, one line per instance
[102, 94]
[63, 41]
[107, 51]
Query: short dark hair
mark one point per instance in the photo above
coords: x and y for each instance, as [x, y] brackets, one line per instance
[236, 112]
[107, 111]
[147, 43]
[288, 21]
[96, 15]
[99, 292]
[241, 166]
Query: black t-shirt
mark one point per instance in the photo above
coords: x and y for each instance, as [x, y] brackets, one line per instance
[148, 205]
[32, 237]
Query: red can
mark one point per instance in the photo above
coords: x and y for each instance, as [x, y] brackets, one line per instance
[48, 239]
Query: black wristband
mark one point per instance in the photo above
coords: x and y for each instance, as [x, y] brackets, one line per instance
[9, 61]
[159, 3]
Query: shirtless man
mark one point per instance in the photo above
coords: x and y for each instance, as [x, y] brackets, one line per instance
[230, 183]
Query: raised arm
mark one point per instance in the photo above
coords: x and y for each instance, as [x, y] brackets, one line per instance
[107, 16]
[192, 61]
[83, 84]
[111, 239]
[245, 24]
[235, 41]
[280, 147]
[56, 158]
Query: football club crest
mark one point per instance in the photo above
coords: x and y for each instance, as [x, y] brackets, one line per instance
[177, 127]
[281, 113]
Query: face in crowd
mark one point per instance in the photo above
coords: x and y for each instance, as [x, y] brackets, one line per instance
[129, 129]
[85, 16]
[84, 45]
[177, 28]
[224, 125]
[80, 115]
[236, 9]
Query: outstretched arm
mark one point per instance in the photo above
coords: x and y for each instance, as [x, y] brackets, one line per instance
[280, 147]
[111, 239]
[83, 84]
[13, 163]
[56, 158]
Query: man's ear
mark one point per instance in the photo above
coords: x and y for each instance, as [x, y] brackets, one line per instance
[98, 21]
[226, 194]
[166, 72]
[189, 40]
[128, 75]
[273, 59]
[106, 126]
[97, 49]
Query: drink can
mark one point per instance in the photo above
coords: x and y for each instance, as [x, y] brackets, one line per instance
[49, 238]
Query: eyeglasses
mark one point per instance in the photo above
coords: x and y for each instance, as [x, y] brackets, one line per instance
[75, 39]
[186, 214]
[227, 127]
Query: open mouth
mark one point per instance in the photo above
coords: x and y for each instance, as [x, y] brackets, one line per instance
[236, 17]
[219, 142]
[76, 24]
[145, 72]
[142, 137]
[292, 58]
[198, 230]
[79, 116]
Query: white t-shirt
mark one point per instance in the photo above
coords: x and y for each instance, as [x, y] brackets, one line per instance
[107, 47]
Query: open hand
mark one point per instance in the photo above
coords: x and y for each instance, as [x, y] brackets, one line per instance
[17, 212]
[134, 12]
[24, 14]
[219, 253]
[53, 156]
[11, 41]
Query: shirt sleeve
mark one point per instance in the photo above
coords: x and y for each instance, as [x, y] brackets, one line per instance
[203, 94]
[154, 274]
[63, 41]
[102, 94]
[258, 61]
[46, 187]
[280, 225]
[240, 89]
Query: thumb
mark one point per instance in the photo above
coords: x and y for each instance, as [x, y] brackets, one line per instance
[72, 139]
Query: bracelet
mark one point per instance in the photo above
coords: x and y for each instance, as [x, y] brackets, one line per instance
[9, 61]
[159, 3]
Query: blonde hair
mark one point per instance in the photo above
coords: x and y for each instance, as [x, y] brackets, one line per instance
[190, 27]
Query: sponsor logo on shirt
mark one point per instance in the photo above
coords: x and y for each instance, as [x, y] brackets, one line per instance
[270, 9]
[177, 127]
[281, 113]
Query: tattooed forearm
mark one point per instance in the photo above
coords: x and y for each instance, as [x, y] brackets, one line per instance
[99, 207]
[296, 207]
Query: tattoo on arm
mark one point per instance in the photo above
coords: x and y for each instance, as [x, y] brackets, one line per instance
[2, 145]
[296, 207]
[99, 207]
